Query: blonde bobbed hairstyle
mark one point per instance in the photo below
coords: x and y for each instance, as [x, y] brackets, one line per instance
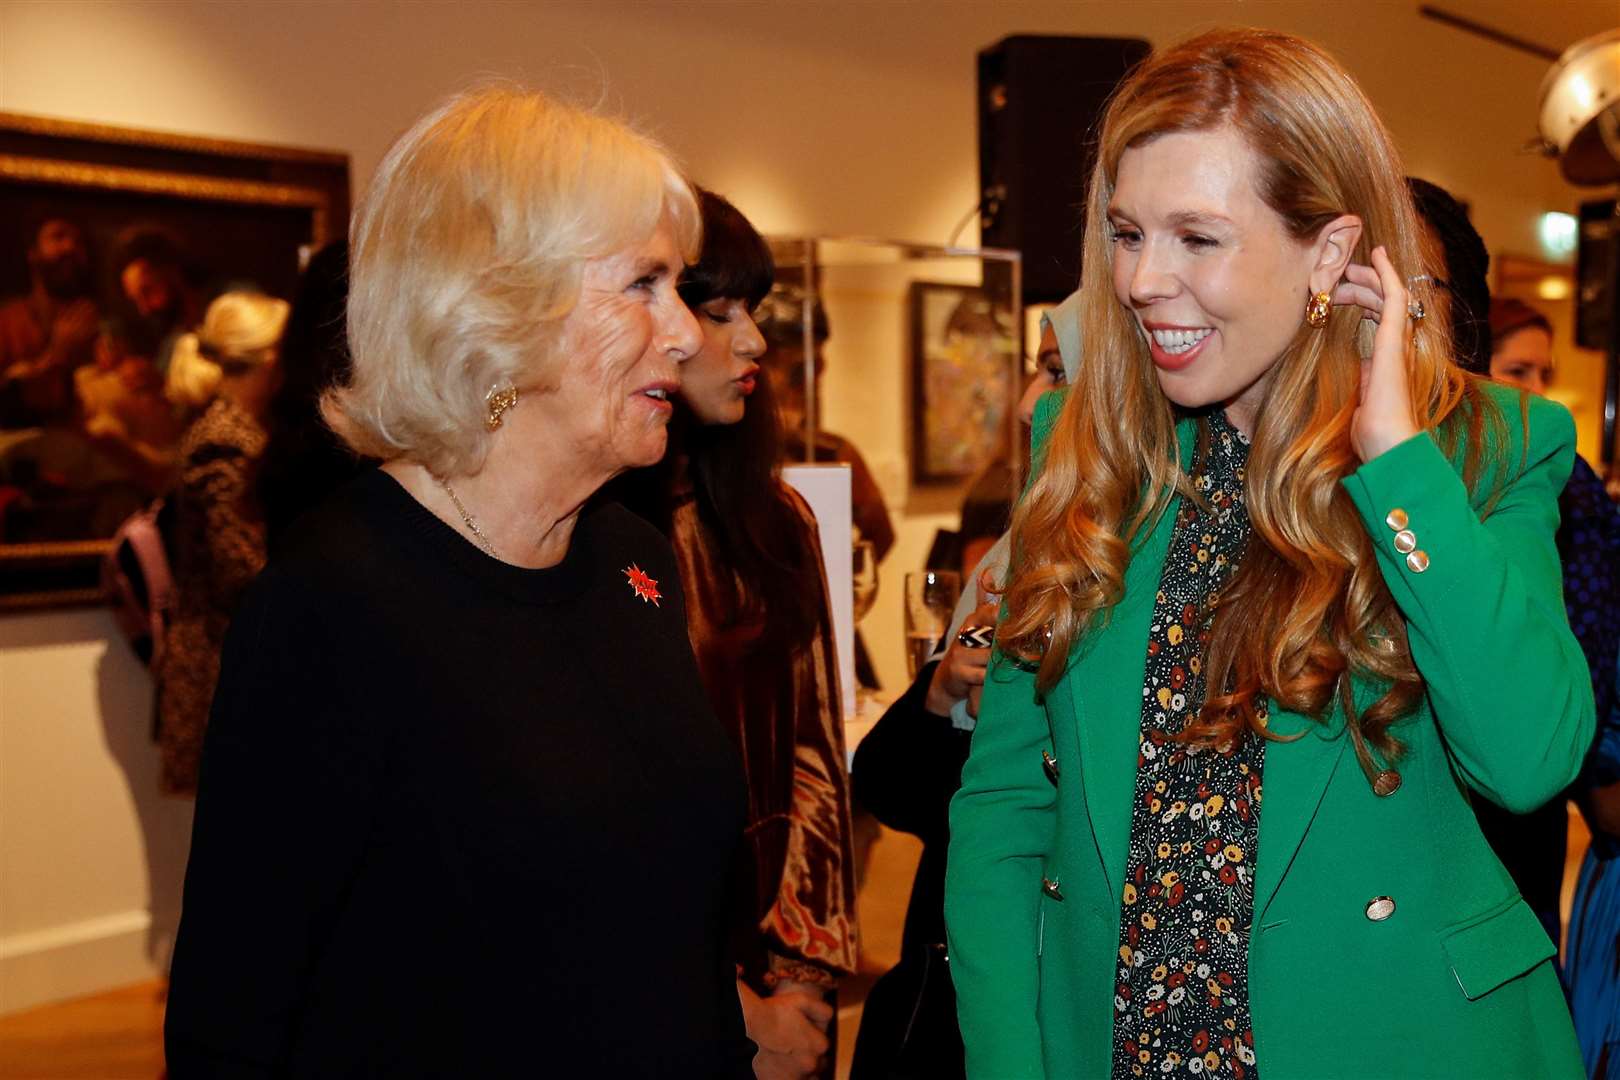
[1307, 604]
[466, 255]
[240, 330]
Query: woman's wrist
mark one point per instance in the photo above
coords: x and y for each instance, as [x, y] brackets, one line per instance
[786, 970]
[1380, 443]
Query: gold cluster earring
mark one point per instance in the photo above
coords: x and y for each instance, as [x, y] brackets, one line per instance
[1317, 310]
[499, 400]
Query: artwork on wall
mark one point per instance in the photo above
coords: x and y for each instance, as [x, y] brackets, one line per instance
[963, 354]
[113, 243]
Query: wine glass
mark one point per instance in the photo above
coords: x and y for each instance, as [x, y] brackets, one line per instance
[931, 597]
[864, 572]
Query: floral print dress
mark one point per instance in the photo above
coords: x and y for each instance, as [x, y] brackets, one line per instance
[1181, 995]
[218, 551]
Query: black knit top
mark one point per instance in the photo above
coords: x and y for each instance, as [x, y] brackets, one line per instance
[458, 818]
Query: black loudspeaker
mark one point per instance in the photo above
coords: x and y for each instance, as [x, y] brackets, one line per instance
[1040, 101]
[1597, 307]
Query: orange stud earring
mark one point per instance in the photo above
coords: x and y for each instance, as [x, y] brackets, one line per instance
[1317, 310]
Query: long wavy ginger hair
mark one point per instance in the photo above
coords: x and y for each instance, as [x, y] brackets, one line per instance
[1307, 604]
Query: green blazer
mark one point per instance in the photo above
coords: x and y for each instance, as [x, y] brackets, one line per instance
[1457, 980]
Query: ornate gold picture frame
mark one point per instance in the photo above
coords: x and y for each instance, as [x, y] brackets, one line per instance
[112, 242]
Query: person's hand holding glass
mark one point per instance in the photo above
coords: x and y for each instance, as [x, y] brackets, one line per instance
[930, 599]
[961, 671]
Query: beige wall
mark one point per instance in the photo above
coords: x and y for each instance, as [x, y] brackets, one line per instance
[91, 856]
[832, 117]
[853, 118]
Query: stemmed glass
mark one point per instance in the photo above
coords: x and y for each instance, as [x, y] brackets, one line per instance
[864, 572]
[931, 597]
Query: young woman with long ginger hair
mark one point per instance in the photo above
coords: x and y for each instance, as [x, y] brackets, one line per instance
[1269, 479]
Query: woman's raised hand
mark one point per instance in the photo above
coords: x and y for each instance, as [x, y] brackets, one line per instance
[1383, 418]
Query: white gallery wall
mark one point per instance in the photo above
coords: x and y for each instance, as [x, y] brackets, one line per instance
[831, 118]
[91, 855]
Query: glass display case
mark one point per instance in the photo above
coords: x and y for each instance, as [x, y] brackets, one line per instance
[906, 362]
[913, 351]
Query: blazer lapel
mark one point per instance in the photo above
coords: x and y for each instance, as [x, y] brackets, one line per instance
[1294, 779]
[1104, 683]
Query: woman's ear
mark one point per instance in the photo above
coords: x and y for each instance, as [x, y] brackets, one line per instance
[1335, 244]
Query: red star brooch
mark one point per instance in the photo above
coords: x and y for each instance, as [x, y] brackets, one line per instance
[643, 585]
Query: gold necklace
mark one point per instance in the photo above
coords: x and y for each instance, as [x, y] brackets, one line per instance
[467, 519]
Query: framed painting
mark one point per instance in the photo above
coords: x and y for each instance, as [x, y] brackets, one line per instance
[964, 352]
[113, 243]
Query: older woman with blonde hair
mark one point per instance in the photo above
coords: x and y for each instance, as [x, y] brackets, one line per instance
[464, 809]
[229, 370]
[1283, 597]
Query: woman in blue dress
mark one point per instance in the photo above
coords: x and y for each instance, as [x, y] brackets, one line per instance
[1589, 547]
[1592, 955]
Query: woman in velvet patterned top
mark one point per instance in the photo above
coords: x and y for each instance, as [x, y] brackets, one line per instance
[750, 562]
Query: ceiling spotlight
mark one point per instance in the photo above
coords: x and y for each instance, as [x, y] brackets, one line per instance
[1580, 110]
